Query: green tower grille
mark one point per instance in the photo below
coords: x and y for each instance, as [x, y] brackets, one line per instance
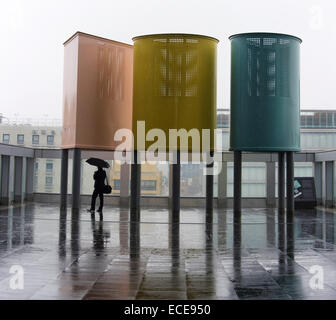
[265, 92]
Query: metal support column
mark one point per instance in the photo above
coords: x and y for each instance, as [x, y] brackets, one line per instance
[318, 181]
[124, 185]
[76, 179]
[290, 181]
[281, 181]
[270, 184]
[135, 187]
[5, 165]
[29, 196]
[237, 179]
[18, 171]
[11, 179]
[222, 186]
[176, 175]
[290, 204]
[324, 183]
[24, 178]
[64, 178]
[329, 179]
[209, 189]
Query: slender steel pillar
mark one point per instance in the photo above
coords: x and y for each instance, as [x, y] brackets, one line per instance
[5, 172]
[18, 176]
[209, 190]
[329, 183]
[318, 181]
[270, 228]
[174, 240]
[62, 234]
[176, 178]
[281, 181]
[76, 179]
[24, 177]
[124, 185]
[281, 229]
[64, 178]
[134, 238]
[29, 196]
[290, 204]
[270, 184]
[290, 181]
[135, 187]
[237, 176]
[290, 236]
[222, 186]
[11, 179]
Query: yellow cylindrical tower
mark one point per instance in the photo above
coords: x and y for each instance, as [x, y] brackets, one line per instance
[174, 87]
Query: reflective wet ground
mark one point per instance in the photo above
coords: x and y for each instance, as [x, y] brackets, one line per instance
[76, 256]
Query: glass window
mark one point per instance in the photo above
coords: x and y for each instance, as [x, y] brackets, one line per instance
[323, 119]
[116, 184]
[50, 140]
[303, 121]
[36, 139]
[192, 180]
[330, 122]
[253, 179]
[49, 166]
[20, 139]
[148, 185]
[154, 179]
[317, 123]
[309, 121]
[49, 181]
[5, 138]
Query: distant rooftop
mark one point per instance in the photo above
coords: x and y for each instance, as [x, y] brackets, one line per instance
[310, 118]
[34, 122]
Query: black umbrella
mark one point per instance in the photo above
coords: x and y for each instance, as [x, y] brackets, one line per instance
[98, 162]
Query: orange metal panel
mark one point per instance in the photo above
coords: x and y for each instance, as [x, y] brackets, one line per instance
[102, 87]
[70, 94]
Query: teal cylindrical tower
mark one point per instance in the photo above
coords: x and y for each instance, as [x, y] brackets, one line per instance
[265, 92]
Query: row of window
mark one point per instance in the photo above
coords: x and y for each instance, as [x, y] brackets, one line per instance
[148, 185]
[20, 139]
[308, 119]
[49, 182]
[49, 166]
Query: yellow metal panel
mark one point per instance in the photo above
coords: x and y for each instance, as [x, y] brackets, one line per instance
[174, 85]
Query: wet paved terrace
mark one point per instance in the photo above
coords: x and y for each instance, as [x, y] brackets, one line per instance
[76, 256]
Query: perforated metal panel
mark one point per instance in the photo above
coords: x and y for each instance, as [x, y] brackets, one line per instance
[175, 84]
[265, 92]
[97, 95]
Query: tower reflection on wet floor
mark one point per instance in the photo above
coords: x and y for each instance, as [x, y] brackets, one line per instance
[261, 254]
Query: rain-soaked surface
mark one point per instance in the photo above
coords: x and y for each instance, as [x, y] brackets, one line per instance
[75, 256]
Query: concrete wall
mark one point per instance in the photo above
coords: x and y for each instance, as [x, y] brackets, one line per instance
[153, 201]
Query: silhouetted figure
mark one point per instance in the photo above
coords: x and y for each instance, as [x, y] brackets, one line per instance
[99, 178]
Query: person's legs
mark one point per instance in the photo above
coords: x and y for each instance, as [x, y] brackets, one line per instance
[101, 198]
[93, 199]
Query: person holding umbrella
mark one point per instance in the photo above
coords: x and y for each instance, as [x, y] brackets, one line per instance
[99, 185]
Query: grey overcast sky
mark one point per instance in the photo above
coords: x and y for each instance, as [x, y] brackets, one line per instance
[32, 33]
